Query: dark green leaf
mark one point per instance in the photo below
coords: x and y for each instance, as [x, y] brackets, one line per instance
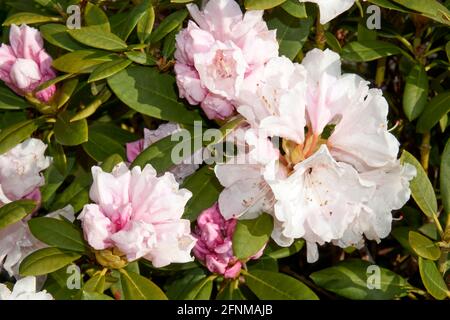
[15, 211]
[46, 260]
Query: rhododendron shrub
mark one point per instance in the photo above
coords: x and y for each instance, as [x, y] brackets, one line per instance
[224, 149]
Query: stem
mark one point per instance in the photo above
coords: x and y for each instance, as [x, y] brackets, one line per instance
[381, 70]
[425, 148]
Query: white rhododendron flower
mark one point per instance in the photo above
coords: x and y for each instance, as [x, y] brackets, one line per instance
[138, 213]
[17, 242]
[20, 170]
[342, 176]
[24, 289]
[330, 9]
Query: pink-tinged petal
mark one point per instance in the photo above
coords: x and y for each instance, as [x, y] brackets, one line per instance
[156, 199]
[97, 228]
[136, 240]
[47, 94]
[189, 84]
[111, 190]
[233, 271]
[26, 42]
[25, 74]
[173, 245]
[217, 107]
[7, 60]
[134, 149]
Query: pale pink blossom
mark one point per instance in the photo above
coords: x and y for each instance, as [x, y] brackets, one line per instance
[24, 289]
[330, 9]
[214, 245]
[218, 52]
[20, 171]
[180, 171]
[24, 63]
[140, 214]
[343, 178]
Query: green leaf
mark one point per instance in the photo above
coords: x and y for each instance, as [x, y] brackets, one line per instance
[200, 290]
[264, 263]
[389, 5]
[401, 234]
[277, 286]
[230, 292]
[432, 279]
[132, 19]
[251, 235]
[137, 287]
[15, 211]
[421, 188]
[57, 35]
[292, 33]
[89, 295]
[286, 252]
[108, 69]
[205, 190]
[169, 24]
[29, 18]
[445, 177]
[352, 279]
[76, 194]
[100, 39]
[416, 92]
[82, 61]
[159, 100]
[185, 283]
[423, 246]
[18, 132]
[57, 233]
[438, 107]
[141, 58]
[53, 81]
[262, 4]
[369, 50]
[94, 16]
[106, 139]
[145, 24]
[70, 133]
[110, 162]
[65, 92]
[10, 101]
[93, 106]
[46, 260]
[295, 8]
[96, 283]
[332, 42]
[430, 8]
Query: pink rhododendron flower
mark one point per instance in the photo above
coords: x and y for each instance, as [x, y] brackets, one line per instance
[24, 64]
[330, 9]
[214, 245]
[20, 171]
[17, 242]
[180, 171]
[343, 178]
[138, 213]
[24, 289]
[218, 51]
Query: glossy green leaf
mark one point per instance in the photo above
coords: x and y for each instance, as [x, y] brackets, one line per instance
[82, 61]
[445, 177]
[262, 4]
[169, 24]
[369, 50]
[15, 211]
[145, 24]
[10, 101]
[70, 133]
[205, 190]
[277, 286]
[432, 279]
[44, 261]
[137, 287]
[96, 283]
[93, 106]
[286, 252]
[438, 107]
[57, 35]
[295, 8]
[94, 16]
[141, 58]
[29, 18]
[65, 92]
[421, 188]
[354, 279]
[100, 39]
[76, 194]
[18, 132]
[58, 233]
[131, 19]
[416, 92]
[159, 100]
[251, 235]
[89, 295]
[108, 69]
[423, 246]
[430, 8]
